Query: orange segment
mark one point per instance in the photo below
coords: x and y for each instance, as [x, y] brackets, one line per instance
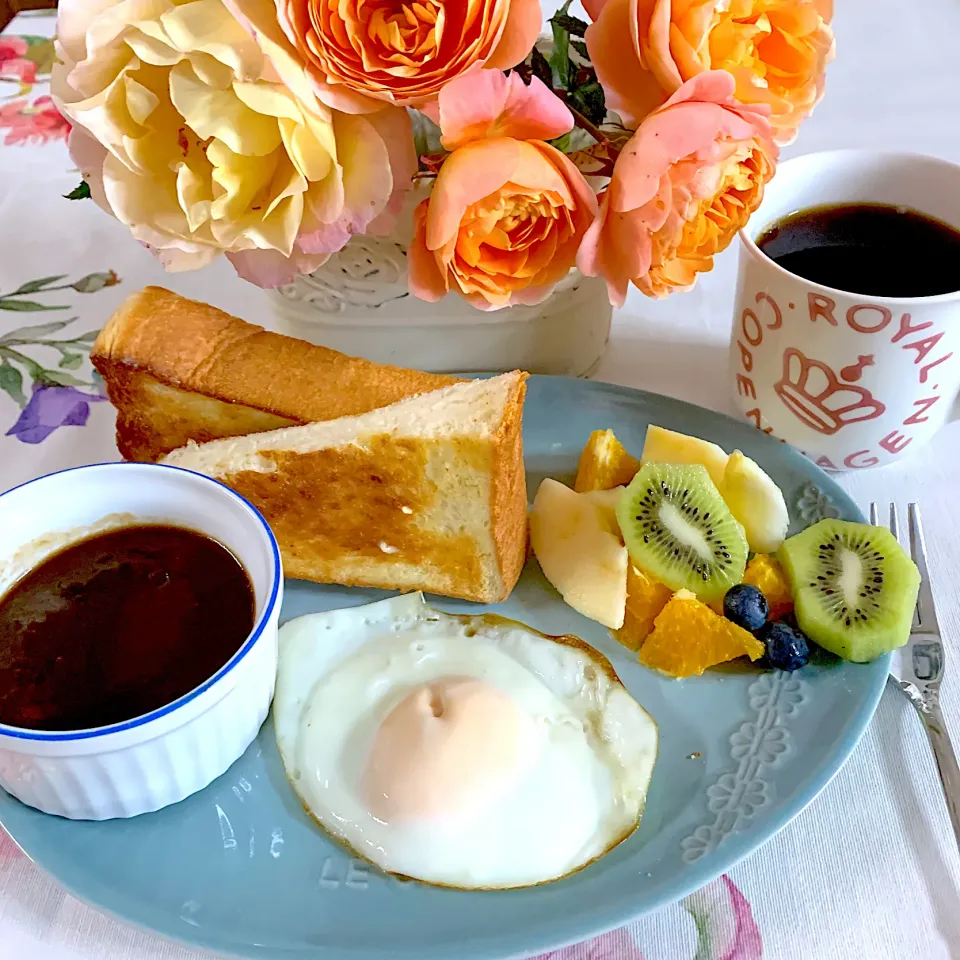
[646, 597]
[688, 637]
[766, 574]
[604, 463]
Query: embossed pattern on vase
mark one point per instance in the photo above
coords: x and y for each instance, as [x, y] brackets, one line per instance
[368, 272]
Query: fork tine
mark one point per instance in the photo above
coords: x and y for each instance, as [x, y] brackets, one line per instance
[926, 614]
[874, 515]
[895, 523]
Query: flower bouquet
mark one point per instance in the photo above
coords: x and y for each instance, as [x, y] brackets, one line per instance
[271, 131]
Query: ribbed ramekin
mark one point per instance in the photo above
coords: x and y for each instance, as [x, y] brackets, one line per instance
[147, 762]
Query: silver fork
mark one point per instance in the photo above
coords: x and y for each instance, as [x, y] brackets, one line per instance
[917, 668]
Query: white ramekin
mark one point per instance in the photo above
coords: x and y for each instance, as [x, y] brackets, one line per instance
[147, 762]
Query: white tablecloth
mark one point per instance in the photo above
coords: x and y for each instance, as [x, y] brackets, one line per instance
[870, 869]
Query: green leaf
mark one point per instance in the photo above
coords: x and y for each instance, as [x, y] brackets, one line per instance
[32, 286]
[60, 379]
[589, 100]
[80, 192]
[573, 141]
[93, 282]
[41, 51]
[559, 58]
[32, 333]
[426, 134]
[28, 306]
[11, 382]
[574, 26]
[581, 48]
[71, 361]
[87, 337]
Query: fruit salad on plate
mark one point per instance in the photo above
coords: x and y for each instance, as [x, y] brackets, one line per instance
[684, 555]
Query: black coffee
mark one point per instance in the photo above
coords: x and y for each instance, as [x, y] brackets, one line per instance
[868, 248]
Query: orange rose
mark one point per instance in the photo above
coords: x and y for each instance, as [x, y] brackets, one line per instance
[776, 50]
[360, 54]
[685, 183]
[507, 212]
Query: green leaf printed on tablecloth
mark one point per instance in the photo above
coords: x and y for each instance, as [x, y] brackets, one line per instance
[44, 366]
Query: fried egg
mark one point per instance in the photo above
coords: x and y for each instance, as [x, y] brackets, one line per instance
[470, 752]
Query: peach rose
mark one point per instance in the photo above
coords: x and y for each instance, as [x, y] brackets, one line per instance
[361, 54]
[186, 132]
[684, 184]
[643, 50]
[507, 212]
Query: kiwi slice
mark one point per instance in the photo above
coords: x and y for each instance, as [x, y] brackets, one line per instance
[854, 588]
[678, 529]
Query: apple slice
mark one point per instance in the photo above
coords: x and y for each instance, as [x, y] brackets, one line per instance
[757, 502]
[579, 553]
[667, 446]
[607, 501]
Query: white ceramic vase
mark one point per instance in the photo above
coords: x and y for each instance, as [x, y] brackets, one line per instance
[358, 303]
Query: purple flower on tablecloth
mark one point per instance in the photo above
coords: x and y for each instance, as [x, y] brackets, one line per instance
[49, 408]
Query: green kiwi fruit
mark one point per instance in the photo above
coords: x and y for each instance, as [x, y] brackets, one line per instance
[678, 529]
[854, 588]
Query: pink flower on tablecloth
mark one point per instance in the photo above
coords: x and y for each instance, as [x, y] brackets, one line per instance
[37, 122]
[8, 849]
[13, 64]
[726, 929]
[614, 945]
[724, 921]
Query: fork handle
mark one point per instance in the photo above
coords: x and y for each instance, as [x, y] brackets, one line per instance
[946, 759]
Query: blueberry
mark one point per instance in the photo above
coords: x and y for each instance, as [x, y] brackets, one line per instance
[746, 606]
[787, 647]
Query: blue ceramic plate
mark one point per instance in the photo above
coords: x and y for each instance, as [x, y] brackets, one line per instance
[239, 869]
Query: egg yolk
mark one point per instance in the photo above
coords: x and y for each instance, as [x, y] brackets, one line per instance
[452, 744]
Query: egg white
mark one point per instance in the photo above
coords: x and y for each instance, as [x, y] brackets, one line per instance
[589, 749]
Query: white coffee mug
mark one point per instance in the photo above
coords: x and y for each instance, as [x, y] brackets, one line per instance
[853, 381]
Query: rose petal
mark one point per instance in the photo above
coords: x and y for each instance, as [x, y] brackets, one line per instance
[519, 34]
[468, 175]
[269, 269]
[488, 103]
[89, 155]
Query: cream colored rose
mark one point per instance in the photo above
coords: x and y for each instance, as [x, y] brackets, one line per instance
[203, 140]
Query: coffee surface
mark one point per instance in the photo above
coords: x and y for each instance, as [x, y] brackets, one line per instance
[867, 248]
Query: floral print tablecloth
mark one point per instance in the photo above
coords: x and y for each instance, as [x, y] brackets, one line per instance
[870, 870]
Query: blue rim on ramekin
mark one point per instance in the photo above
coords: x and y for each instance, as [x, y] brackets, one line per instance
[21, 733]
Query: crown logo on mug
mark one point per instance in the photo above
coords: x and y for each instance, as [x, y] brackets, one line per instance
[816, 396]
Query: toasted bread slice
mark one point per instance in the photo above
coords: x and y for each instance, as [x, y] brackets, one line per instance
[178, 370]
[425, 494]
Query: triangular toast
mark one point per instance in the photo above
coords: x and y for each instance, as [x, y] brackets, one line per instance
[425, 494]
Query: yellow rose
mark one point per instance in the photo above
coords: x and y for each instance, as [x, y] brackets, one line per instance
[204, 140]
